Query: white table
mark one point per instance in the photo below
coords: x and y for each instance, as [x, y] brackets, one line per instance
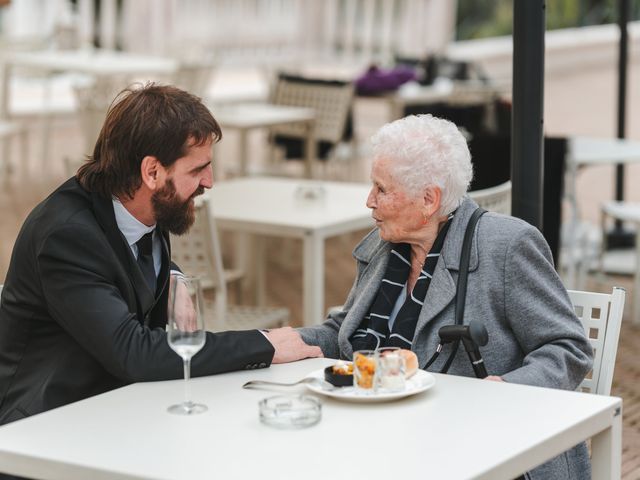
[584, 151]
[251, 116]
[453, 92]
[96, 63]
[269, 206]
[462, 428]
[101, 65]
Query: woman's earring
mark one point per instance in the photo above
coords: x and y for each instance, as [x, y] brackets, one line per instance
[425, 219]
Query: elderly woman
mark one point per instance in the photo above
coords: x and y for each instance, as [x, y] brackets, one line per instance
[407, 269]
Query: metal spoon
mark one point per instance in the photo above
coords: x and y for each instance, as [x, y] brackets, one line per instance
[307, 380]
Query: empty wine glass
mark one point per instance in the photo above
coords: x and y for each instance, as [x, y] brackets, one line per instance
[185, 332]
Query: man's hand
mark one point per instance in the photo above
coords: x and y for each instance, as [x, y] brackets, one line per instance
[183, 310]
[494, 378]
[290, 346]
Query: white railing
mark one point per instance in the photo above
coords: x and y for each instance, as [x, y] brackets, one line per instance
[366, 30]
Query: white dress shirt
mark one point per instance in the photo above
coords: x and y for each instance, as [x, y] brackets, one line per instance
[133, 230]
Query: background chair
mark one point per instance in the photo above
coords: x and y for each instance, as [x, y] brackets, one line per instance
[9, 131]
[330, 99]
[94, 100]
[495, 199]
[194, 76]
[198, 253]
[601, 316]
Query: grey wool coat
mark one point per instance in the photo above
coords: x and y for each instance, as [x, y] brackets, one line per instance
[534, 336]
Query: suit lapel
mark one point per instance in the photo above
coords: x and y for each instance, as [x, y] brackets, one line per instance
[103, 210]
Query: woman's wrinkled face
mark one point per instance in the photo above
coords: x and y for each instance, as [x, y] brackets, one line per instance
[398, 215]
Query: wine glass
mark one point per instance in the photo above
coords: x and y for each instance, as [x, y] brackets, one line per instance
[185, 331]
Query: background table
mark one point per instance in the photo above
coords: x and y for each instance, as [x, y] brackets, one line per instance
[273, 206]
[251, 116]
[462, 428]
[101, 65]
[628, 212]
[97, 63]
[584, 151]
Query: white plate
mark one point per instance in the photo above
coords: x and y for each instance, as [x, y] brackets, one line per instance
[419, 382]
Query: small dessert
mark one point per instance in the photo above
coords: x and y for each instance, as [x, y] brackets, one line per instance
[340, 374]
[366, 369]
[411, 362]
[342, 368]
[391, 371]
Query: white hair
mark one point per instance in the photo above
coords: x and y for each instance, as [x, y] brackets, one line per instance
[426, 151]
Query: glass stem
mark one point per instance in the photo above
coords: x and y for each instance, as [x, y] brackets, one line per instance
[187, 375]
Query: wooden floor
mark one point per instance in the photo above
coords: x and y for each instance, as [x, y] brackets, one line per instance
[34, 178]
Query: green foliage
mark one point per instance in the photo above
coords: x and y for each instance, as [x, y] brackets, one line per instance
[492, 18]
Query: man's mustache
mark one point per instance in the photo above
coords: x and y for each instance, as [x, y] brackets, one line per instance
[198, 192]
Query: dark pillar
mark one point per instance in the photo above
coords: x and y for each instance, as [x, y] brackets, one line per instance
[527, 119]
[619, 237]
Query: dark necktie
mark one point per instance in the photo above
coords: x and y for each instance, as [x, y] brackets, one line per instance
[145, 260]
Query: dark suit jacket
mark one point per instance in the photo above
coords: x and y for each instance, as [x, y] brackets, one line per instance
[77, 318]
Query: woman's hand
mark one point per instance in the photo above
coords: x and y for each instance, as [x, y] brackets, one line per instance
[494, 378]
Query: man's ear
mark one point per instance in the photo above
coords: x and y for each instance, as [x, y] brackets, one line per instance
[151, 171]
[432, 199]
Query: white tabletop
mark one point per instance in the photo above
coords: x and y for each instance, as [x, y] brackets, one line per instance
[278, 206]
[305, 209]
[460, 429]
[587, 150]
[584, 151]
[94, 62]
[260, 115]
[625, 211]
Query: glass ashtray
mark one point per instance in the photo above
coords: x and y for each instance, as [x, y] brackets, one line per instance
[310, 193]
[290, 411]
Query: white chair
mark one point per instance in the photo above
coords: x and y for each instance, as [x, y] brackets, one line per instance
[601, 316]
[331, 102]
[198, 253]
[94, 100]
[494, 199]
[194, 76]
[10, 131]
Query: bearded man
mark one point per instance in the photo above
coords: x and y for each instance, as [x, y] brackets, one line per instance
[84, 305]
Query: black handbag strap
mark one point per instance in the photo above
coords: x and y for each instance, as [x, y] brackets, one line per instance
[463, 273]
[465, 256]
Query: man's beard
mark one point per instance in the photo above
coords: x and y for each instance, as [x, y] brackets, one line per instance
[172, 213]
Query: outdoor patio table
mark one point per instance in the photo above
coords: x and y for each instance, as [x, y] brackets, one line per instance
[305, 209]
[461, 428]
[628, 212]
[584, 151]
[251, 116]
[97, 63]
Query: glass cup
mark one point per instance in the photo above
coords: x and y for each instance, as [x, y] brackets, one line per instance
[391, 370]
[185, 332]
[364, 370]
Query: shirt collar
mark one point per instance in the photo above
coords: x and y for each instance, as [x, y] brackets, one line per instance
[132, 228]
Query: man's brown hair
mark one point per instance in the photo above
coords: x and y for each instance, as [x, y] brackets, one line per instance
[150, 120]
